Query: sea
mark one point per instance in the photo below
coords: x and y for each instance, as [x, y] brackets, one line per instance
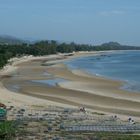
[116, 65]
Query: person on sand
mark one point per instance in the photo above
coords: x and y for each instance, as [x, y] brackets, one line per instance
[82, 109]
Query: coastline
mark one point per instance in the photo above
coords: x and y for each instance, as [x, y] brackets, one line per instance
[82, 89]
[10, 98]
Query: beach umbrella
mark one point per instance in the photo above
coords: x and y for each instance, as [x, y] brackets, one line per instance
[2, 112]
[2, 106]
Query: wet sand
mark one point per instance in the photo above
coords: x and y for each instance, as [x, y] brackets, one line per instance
[81, 89]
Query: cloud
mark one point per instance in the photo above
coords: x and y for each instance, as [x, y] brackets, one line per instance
[112, 13]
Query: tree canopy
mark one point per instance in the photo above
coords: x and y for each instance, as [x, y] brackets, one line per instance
[52, 47]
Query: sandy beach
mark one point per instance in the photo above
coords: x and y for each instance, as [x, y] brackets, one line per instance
[80, 89]
[11, 98]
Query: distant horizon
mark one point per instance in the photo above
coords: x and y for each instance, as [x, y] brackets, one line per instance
[30, 39]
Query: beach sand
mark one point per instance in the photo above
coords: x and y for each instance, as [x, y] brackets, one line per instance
[80, 89]
[17, 99]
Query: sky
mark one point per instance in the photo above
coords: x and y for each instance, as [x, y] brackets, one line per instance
[81, 21]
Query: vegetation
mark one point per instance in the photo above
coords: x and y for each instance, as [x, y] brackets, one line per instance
[8, 51]
[7, 130]
[117, 136]
[107, 136]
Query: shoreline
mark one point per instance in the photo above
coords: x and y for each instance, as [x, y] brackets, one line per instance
[126, 85]
[68, 94]
[16, 99]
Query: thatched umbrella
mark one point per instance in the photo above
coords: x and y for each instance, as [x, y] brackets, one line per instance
[2, 106]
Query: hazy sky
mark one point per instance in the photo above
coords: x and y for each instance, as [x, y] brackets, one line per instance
[82, 21]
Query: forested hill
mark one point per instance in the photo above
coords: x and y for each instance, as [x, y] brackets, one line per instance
[115, 46]
[8, 51]
[10, 40]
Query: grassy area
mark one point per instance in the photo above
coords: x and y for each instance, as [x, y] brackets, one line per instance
[99, 136]
[52, 130]
[7, 130]
[106, 136]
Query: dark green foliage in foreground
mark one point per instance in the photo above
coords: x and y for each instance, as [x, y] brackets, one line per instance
[53, 47]
[7, 130]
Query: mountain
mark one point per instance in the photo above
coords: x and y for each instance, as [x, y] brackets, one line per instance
[10, 40]
[115, 46]
[109, 44]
